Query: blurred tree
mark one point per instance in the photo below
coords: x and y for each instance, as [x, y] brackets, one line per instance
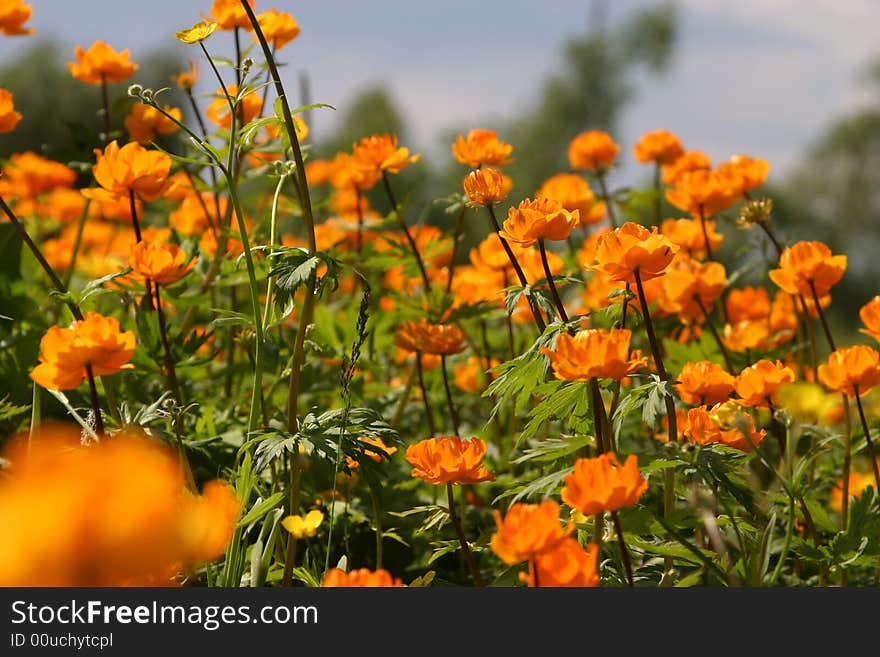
[60, 113]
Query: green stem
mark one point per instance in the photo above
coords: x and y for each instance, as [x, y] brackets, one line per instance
[273, 235]
[627, 564]
[871, 454]
[77, 241]
[459, 224]
[429, 417]
[452, 413]
[609, 205]
[170, 371]
[549, 276]
[377, 520]
[469, 557]
[395, 208]
[96, 405]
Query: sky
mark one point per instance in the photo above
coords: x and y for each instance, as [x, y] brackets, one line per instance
[752, 76]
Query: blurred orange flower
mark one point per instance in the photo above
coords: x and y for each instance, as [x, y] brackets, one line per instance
[704, 383]
[379, 153]
[248, 107]
[95, 341]
[378, 455]
[603, 484]
[758, 383]
[746, 171]
[449, 459]
[593, 150]
[230, 14]
[9, 118]
[101, 64]
[13, 15]
[573, 192]
[726, 424]
[161, 262]
[543, 219]
[687, 162]
[567, 565]
[690, 287]
[437, 339]
[28, 174]
[808, 265]
[688, 234]
[362, 577]
[703, 192]
[279, 28]
[870, 316]
[485, 186]
[471, 376]
[594, 353]
[858, 483]
[630, 248]
[112, 513]
[131, 168]
[527, 530]
[145, 122]
[851, 368]
[481, 148]
[747, 303]
[660, 146]
[186, 80]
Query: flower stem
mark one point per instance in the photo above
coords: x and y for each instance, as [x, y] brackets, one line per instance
[658, 198]
[409, 238]
[360, 219]
[469, 557]
[708, 246]
[871, 453]
[627, 564]
[170, 372]
[599, 425]
[459, 225]
[822, 317]
[536, 313]
[377, 520]
[725, 354]
[273, 235]
[452, 414]
[554, 293]
[96, 405]
[77, 241]
[609, 206]
[429, 417]
[105, 111]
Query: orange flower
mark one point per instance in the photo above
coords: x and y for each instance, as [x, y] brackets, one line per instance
[481, 148]
[746, 334]
[748, 172]
[362, 577]
[436, 339]
[190, 218]
[382, 451]
[603, 484]
[112, 513]
[101, 64]
[806, 265]
[704, 383]
[186, 80]
[9, 118]
[379, 153]
[870, 316]
[573, 192]
[726, 424]
[747, 303]
[539, 219]
[279, 27]
[691, 286]
[850, 369]
[229, 14]
[688, 234]
[132, 168]
[660, 146]
[594, 353]
[485, 186]
[449, 459]
[160, 262]
[527, 530]
[858, 483]
[95, 341]
[758, 383]
[632, 248]
[249, 107]
[567, 565]
[470, 375]
[687, 162]
[29, 175]
[704, 193]
[593, 150]
[13, 15]
[144, 122]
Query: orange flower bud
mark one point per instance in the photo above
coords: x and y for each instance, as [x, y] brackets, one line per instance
[594, 353]
[870, 316]
[9, 118]
[101, 64]
[449, 459]
[808, 265]
[603, 484]
[539, 219]
[186, 80]
[593, 151]
[481, 148]
[660, 146]
[160, 262]
[95, 341]
[13, 15]
[362, 577]
[527, 530]
[632, 248]
[704, 383]
[132, 168]
[567, 565]
[758, 383]
[851, 370]
[485, 186]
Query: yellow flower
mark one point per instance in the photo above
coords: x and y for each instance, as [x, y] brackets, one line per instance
[303, 527]
[198, 32]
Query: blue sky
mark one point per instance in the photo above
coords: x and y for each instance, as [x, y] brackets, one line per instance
[750, 76]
